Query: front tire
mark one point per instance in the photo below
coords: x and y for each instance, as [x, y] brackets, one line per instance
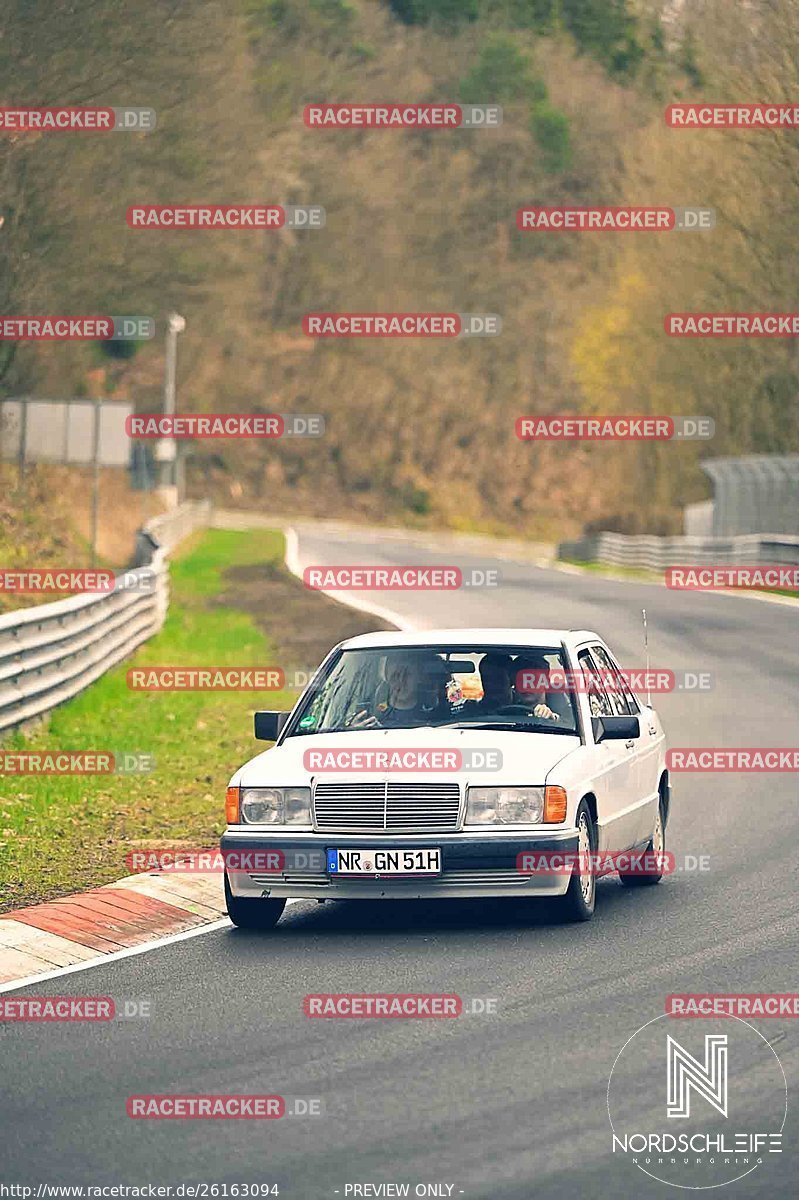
[656, 846]
[580, 900]
[252, 914]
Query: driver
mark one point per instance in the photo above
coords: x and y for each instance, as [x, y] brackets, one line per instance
[415, 694]
[534, 700]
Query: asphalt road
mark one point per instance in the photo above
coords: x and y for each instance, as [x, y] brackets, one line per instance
[505, 1105]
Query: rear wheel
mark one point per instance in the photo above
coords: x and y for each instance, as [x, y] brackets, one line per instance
[252, 914]
[656, 847]
[580, 899]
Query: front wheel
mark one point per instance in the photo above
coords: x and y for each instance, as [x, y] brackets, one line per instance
[579, 902]
[656, 848]
[252, 914]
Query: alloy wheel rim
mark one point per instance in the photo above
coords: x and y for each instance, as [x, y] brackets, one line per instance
[658, 840]
[584, 849]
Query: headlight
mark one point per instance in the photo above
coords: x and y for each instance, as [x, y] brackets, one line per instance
[504, 805]
[276, 806]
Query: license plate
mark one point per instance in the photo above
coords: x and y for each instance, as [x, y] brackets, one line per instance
[384, 862]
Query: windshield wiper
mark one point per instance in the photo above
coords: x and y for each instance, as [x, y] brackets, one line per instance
[528, 726]
[363, 729]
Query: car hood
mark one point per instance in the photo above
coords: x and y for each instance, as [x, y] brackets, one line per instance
[525, 758]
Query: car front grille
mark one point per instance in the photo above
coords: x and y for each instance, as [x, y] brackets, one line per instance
[387, 807]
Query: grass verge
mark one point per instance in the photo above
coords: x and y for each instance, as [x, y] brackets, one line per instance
[60, 834]
[646, 576]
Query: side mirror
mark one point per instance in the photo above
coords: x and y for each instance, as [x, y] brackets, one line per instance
[615, 729]
[269, 724]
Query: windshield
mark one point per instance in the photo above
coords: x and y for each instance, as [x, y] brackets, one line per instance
[412, 687]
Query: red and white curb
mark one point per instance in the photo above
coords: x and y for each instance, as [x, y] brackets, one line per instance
[118, 919]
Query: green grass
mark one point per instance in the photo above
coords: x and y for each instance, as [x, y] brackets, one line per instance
[61, 834]
[611, 571]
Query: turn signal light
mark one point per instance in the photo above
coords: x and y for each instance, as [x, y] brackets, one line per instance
[555, 805]
[232, 806]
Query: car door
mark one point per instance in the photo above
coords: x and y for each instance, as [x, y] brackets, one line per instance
[617, 815]
[647, 747]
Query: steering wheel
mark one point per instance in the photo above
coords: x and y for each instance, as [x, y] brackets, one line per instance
[365, 707]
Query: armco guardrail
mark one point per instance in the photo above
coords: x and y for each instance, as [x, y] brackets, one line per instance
[50, 653]
[657, 553]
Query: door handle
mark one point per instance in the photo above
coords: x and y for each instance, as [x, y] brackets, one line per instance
[630, 744]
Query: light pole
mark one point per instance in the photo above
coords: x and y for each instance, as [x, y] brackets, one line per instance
[166, 448]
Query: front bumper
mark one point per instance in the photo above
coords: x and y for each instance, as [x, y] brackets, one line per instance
[473, 864]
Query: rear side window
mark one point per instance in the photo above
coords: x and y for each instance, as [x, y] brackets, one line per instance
[610, 681]
[617, 684]
[598, 701]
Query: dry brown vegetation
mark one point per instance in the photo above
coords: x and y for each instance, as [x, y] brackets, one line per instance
[421, 432]
[46, 521]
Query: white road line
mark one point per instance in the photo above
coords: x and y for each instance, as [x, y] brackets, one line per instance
[292, 561]
[128, 952]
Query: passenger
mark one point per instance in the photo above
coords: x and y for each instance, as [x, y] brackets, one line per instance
[434, 688]
[495, 672]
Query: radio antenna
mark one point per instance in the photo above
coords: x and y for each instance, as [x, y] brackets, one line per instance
[646, 651]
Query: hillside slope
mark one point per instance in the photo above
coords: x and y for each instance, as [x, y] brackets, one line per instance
[417, 431]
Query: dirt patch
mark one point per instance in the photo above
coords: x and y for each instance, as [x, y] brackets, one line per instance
[302, 623]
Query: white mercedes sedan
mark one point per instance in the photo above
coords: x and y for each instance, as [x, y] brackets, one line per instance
[451, 763]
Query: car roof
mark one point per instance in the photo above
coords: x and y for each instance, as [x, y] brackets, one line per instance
[465, 638]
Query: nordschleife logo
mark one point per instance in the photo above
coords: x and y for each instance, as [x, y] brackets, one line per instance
[699, 1111]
